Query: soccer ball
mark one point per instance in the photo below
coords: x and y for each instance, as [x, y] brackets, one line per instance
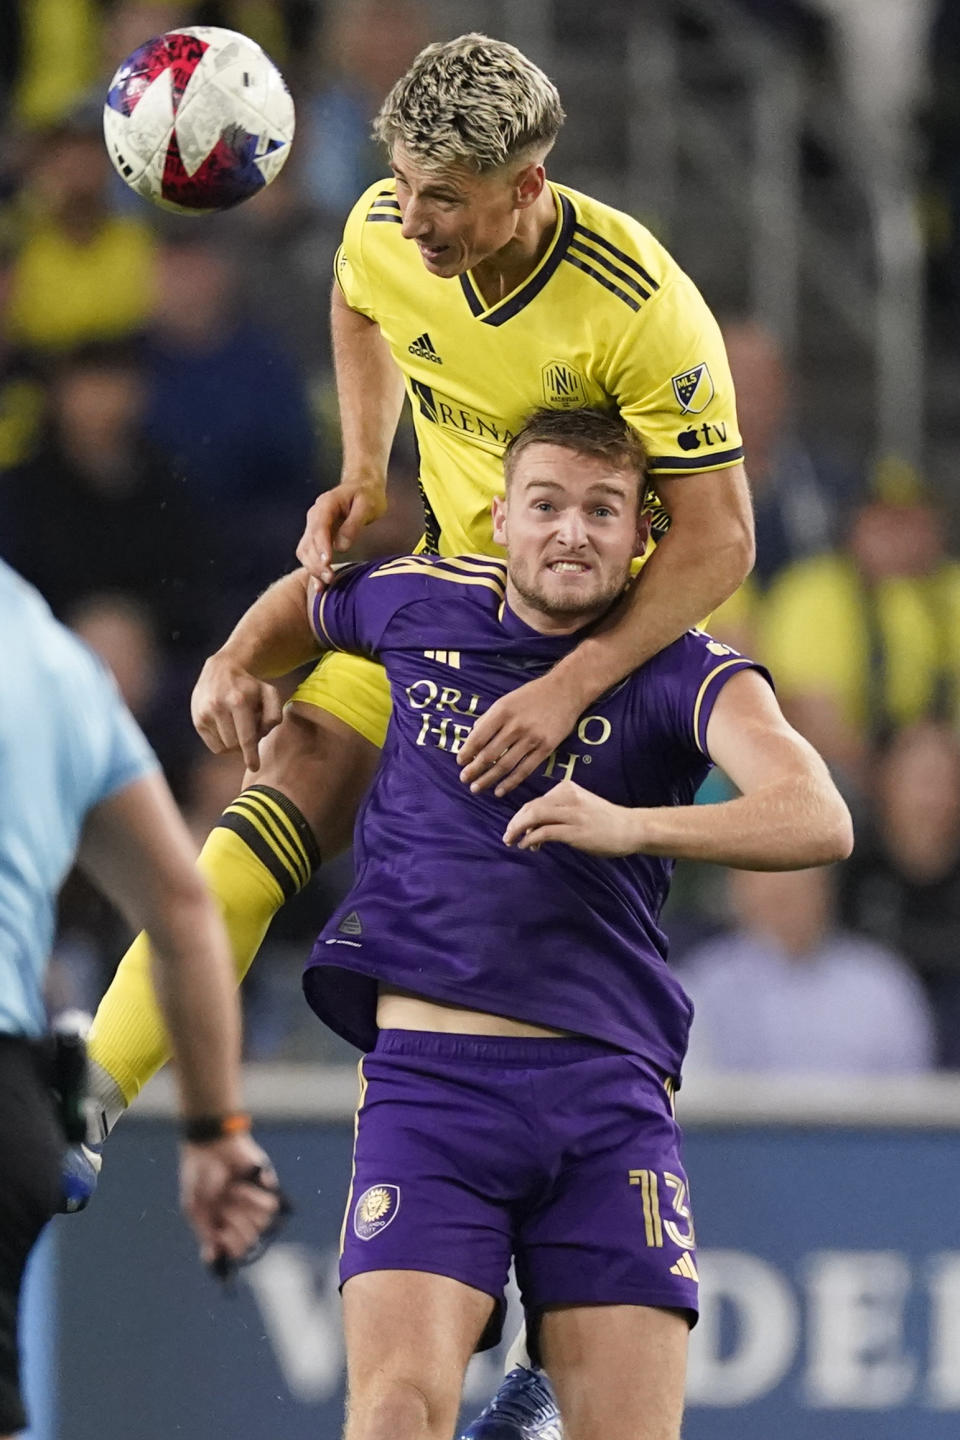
[198, 119]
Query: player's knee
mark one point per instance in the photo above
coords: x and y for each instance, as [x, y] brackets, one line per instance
[323, 767]
[396, 1407]
[296, 742]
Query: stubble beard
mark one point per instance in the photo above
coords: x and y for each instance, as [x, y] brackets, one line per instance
[570, 607]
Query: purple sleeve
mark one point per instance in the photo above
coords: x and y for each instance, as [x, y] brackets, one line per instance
[353, 613]
[686, 679]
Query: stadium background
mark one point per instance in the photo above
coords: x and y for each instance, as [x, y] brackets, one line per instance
[166, 415]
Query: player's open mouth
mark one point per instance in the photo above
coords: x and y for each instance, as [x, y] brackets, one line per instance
[568, 567]
[432, 252]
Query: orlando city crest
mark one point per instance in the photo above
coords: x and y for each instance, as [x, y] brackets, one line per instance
[375, 1209]
[693, 389]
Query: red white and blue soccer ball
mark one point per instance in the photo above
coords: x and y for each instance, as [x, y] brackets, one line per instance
[198, 119]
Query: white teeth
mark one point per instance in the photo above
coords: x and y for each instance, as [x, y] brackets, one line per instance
[567, 565]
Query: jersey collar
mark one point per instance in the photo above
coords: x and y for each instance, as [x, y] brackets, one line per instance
[513, 303]
[539, 643]
[534, 652]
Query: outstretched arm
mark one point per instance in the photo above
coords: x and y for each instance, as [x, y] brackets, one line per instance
[370, 395]
[233, 705]
[788, 816]
[137, 850]
[707, 553]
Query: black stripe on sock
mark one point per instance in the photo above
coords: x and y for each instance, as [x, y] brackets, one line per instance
[279, 836]
[304, 833]
[255, 842]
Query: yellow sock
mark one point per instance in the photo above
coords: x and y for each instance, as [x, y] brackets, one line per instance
[260, 854]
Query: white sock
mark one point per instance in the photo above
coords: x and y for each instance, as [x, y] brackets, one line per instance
[518, 1353]
[104, 1100]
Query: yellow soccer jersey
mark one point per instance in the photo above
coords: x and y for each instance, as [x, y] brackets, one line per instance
[607, 318]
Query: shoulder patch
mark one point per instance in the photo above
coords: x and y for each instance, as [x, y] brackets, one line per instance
[693, 389]
[482, 570]
[613, 268]
[385, 206]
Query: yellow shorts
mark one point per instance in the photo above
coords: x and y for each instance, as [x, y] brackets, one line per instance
[354, 689]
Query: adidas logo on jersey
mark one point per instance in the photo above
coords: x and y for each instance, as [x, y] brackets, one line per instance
[350, 924]
[685, 1267]
[422, 347]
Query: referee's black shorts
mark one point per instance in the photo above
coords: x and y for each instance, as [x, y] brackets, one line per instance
[31, 1150]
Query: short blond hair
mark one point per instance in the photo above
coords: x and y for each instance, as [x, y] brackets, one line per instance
[471, 103]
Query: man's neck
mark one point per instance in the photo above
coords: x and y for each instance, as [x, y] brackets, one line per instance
[500, 274]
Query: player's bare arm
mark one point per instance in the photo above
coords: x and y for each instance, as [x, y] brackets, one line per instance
[788, 816]
[234, 705]
[137, 850]
[370, 393]
[707, 553]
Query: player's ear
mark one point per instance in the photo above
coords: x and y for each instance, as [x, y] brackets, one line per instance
[643, 531]
[529, 184]
[498, 509]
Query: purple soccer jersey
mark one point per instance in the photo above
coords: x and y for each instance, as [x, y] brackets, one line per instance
[440, 906]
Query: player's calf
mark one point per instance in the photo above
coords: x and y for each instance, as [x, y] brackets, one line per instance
[618, 1370]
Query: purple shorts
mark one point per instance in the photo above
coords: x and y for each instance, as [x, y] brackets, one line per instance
[562, 1155]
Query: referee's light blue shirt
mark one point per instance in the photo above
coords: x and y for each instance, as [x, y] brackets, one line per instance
[66, 742]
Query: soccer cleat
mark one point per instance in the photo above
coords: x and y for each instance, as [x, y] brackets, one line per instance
[524, 1408]
[78, 1177]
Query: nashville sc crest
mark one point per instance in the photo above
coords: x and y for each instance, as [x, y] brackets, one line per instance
[375, 1209]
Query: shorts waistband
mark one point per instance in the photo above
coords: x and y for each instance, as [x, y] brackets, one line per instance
[520, 1050]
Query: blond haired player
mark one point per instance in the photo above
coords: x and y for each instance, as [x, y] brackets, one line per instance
[480, 290]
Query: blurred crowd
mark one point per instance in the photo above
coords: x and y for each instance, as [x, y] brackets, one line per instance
[167, 415]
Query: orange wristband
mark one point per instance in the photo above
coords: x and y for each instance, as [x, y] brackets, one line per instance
[205, 1129]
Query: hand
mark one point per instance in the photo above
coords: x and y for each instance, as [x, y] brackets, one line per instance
[230, 1194]
[334, 520]
[576, 817]
[519, 731]
[233, 710]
